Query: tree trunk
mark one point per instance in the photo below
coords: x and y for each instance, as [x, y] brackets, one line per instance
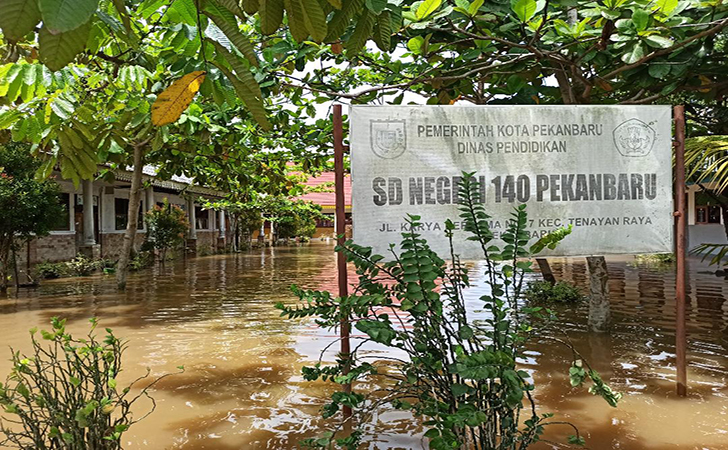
[5, 243]
[599, 311]
[16, 272]
[122, 269]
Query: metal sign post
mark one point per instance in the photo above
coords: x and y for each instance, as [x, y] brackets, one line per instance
[681, 221]
[341, 238]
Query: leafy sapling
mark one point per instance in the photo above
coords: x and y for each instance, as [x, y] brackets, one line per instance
[460, 376]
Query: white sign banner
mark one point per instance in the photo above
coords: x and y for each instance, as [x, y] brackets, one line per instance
[605, 170]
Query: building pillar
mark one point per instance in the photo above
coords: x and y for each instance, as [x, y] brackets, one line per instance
[89, 248]
[261, 234]
[221, 241]
[192, 236]
[221, 223]
[150, 198]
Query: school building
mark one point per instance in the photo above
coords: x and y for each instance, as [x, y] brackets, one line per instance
[96, 214]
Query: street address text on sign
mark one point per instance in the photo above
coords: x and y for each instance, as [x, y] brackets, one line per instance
[606, 170]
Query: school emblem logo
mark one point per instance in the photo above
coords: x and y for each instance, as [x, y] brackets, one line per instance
[634, 138]
[388, 138]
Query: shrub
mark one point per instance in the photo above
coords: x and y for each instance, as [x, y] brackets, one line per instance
[545, 292]
[82, 266]
[48, 270]
[167, 226]
[65, 395]
[656, 258]
[459, 375]
[141, 260]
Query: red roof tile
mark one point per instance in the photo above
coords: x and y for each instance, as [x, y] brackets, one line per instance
[327, 198]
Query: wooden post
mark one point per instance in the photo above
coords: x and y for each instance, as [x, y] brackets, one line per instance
[545, 268]
[341, 238]
[681, 217]
[599, 310]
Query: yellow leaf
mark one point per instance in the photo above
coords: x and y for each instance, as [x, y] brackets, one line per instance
[176, 98]
[705, 81]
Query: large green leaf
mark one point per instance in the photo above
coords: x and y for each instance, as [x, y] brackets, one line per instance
[232, 6]
[315, 19]
[666, 6]
[244, 83]
[641, 18]
[123, 13]
[426, 8]
[342, 18]
[634, 53]
[183, 11]
[57, 50]
[18, 17]
[60, 16]
[296, 20]
[252, 6]
[383, 31]
[361, 33]
[271, 15]
[8, 118]
[254, 104]
[239, 40]
[524, 9]
[658, 41]
[376, 6]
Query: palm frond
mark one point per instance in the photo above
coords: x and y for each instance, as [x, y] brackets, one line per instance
[706, 158]
[717, 252]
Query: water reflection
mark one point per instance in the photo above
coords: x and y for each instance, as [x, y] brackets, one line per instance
[242, 387]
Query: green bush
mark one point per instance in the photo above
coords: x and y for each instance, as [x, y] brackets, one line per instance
[65, 394]
[141, 260]
[82, 266]
[545, 292]
[656, 258]
[461, 376]
[48, 270]
[167, 227]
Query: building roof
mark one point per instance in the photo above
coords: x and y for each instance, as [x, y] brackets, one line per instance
[178, 182]
[327, 198]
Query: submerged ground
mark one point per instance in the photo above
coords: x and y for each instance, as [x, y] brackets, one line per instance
[242, 387]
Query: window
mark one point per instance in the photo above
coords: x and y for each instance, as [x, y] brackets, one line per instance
[202, 216]
[121, 213]
[64, 221]
[706, 211]
[713, 214]
[326, 222]
[701, 214]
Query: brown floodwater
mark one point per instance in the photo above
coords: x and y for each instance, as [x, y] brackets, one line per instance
[242, 387]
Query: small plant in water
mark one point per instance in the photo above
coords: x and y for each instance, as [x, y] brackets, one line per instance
[656, 258]
[543, 292]
[460, 376]
[65, 395]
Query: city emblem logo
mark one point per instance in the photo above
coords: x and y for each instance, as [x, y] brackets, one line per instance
[634, 138]
[388, 138]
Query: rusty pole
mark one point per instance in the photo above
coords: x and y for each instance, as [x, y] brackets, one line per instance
[341, 238]
[681, 216]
